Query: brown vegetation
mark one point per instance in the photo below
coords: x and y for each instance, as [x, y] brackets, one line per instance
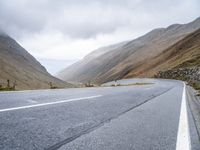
[16, 64]
[158, 50]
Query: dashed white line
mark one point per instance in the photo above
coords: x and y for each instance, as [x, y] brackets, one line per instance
[50, 103]
[183, 136]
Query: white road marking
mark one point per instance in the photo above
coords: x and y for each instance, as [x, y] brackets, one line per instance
[31, 101]
[50, 103]
[183, 136]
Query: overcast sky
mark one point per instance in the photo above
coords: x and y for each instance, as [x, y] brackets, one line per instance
[70, 29]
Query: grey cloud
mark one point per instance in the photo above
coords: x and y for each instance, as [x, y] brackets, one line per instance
[83, 18]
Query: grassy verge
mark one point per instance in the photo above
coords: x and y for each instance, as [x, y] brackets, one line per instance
[139, 84]
[7, 89]
[133, 84]
[197, 87]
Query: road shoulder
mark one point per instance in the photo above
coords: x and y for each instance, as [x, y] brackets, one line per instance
[194, 116]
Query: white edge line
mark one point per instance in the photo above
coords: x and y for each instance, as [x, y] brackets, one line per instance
[183, 135]
[50, 103]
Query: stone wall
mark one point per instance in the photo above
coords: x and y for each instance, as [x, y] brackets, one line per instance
[191, 75]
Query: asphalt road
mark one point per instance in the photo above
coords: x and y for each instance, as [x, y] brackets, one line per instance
[141, 117]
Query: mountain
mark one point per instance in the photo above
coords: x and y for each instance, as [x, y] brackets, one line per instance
[130, 59]
[182, 61]
[183, 54]
[22, 69]
[77, 71]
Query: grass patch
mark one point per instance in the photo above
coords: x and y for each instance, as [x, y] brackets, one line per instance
[132, 84]
[196, 85]
[7, 89]
[190, 63]
[142, 83]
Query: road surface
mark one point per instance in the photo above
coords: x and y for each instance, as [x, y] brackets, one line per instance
[142, 117]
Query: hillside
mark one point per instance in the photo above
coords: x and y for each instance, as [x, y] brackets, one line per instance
[22, 69]
[130, 59]
[182, 61]
[184, 53]
[89, 67]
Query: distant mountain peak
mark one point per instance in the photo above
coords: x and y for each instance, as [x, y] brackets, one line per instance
[198, 19]
[173, 26]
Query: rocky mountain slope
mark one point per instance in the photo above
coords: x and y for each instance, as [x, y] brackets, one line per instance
[182, 61]
[130, 59]
[184, 53]
[22, 69]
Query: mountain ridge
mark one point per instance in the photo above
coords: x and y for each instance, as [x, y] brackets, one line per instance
[117, 64]
[21, 68]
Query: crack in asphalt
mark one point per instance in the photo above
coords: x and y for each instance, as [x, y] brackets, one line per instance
[93, 128]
